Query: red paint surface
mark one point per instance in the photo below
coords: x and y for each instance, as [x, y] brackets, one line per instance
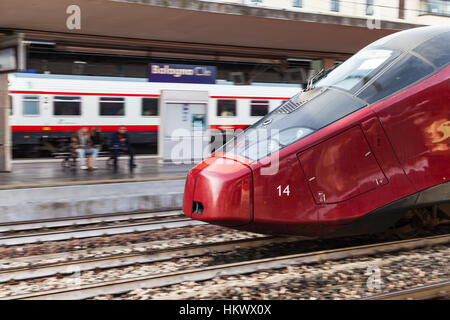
[61, 93]
[63, 128]
[46, 129]
[189, 187]
[225, 189]
[286, 214]
[416, 122]
[341, 167]
[253, 98]
[298, 213]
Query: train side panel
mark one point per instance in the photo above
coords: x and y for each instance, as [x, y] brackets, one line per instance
[417, 123]
[306, 211]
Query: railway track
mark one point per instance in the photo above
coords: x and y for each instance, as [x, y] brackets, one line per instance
[125, 259]
[426, 292]
[77, 228]
[86, 220]
[209, 272]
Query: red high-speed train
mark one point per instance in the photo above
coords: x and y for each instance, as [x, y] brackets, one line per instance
[351, 154]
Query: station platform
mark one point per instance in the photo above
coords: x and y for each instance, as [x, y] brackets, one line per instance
[44, 190]
[35, 173]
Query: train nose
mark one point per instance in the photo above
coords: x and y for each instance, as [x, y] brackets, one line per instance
[219, 191]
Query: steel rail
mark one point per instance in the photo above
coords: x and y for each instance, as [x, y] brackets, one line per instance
[98, 231]
[425, 292]
[126, 259]
[78, 221]
[206, 273]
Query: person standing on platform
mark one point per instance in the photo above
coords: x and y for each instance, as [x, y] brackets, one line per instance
[82, 143]
[121, 143]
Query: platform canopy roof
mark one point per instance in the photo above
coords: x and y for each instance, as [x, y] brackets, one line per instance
[191, 23]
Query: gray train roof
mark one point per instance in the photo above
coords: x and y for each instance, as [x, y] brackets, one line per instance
[409, 39]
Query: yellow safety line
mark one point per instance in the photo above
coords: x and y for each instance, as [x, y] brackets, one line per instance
[85, 182]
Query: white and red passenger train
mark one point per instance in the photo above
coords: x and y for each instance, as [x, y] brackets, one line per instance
[47, 108]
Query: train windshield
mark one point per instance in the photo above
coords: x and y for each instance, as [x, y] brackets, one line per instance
[358, 70]
[256, 143]
[302, 115]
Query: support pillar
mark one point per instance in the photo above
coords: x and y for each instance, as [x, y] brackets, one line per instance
[5, 132]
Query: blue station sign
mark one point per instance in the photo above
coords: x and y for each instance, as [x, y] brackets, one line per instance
[181, 73]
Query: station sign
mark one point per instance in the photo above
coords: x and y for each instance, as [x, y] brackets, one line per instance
[181, 73]
[12, 54]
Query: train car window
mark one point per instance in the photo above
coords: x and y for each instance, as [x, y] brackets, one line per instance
[66, 106]
[405, 72]
[30, 106]
[149, 107]
[112, 106]
[259, 108]
[436, 50]
[226, 108]
[334, 5]
[354, 73]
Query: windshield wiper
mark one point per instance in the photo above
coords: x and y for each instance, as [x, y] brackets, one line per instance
[313, 78]
[318, 76]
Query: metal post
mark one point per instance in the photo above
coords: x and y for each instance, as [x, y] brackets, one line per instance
[5, 133]
[160, 136]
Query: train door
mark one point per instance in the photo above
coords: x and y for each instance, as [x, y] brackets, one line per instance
[353, 173]
[341, 167]
[183, 134]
